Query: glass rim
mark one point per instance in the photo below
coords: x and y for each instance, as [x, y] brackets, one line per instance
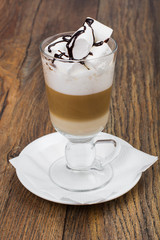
[73, 60]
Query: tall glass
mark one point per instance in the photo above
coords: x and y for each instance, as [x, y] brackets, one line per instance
[79, 93]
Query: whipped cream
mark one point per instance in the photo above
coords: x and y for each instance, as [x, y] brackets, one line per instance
[78, 64]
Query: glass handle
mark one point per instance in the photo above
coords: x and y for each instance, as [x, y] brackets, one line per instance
[106, 140]
[99, 164]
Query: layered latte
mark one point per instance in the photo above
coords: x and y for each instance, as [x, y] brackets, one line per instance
[79, 114]
[78, 69]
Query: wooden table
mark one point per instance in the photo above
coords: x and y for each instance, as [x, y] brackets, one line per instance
[24, 116]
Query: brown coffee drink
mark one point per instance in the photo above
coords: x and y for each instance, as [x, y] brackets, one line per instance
[72, 113]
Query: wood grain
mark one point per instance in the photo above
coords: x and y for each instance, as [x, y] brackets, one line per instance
[135, 116]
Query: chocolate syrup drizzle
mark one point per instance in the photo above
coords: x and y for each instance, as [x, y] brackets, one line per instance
[65, 38]
[70, 42]
[56, 55]
[106, 40]
[90, 21]
[97, 44]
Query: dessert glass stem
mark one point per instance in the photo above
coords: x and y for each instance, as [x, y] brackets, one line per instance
[81, 156]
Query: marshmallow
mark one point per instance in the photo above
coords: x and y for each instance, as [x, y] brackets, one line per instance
[81, 42]
[60, 45]
[101, 31]
[95, 61]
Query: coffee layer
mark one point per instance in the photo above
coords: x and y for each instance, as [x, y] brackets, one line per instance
[78, 107]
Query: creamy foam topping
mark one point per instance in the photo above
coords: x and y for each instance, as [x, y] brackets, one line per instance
[86, 46]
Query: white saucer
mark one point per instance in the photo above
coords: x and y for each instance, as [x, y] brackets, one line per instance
[37, 157]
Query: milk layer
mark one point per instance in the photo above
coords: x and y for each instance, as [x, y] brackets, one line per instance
[80, 128]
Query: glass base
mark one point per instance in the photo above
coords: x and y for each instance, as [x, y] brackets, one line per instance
[79, 181]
